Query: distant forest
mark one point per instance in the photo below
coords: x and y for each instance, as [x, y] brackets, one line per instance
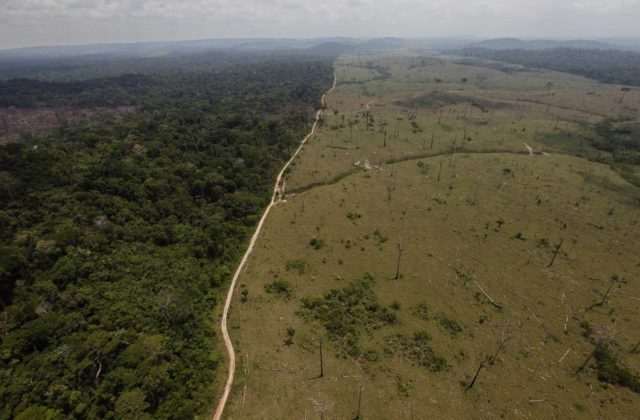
[117, 235]
[607, 66]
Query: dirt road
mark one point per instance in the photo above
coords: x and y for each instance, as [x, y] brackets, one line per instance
[275, 199]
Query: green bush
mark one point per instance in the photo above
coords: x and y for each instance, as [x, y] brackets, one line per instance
[450, 324]
[279, 287]
[611, 369]
[347, 313]
[416, 349]
[317, 243]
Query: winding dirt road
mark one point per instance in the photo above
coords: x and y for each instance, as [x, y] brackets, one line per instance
[275, 199]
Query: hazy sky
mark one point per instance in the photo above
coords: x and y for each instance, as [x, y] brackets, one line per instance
[45, 22]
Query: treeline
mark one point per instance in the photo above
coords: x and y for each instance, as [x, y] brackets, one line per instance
[117, 235]
[607, 66]
[619, 137]
[104, 66]
[251, 79]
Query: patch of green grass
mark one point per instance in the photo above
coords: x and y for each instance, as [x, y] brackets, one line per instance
[404, 386]
[380, 238]
[298, 266]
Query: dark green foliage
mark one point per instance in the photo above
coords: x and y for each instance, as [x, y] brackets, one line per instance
[127, 89]
[435, 100]
[244, 294]
[611, 369]
[416, 349]
[117, 235]
[613, 141]
[620, 138]
[317, 243]
[608, 66]
[279, 287]
[450, 325]
[348, 312]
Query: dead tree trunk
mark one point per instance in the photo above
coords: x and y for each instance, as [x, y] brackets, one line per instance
[321, 361]
[501, 346]
[588, 359]
[555, 254]
[605, 298]
[475, 377]
[398, 265]
[359, 401]
[453, 149]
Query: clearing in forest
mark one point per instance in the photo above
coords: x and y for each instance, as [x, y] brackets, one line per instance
[459, 247]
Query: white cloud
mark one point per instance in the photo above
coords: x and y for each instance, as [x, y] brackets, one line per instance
[25, 22]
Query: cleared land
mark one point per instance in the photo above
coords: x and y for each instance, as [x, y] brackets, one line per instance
[514, 265]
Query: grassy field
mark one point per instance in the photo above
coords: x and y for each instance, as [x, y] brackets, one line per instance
[444, 248]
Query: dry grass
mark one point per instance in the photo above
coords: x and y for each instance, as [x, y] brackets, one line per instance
[486, 229]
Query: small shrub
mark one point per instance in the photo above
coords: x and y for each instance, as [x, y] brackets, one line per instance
[244, 294]
[543, 243]
[298, 266]
[289, 340]
[317, 243]
[348, 312]
[611, 369]
[520, 236]
[279, 287]
[416, 349]
[370, 355]
[404, 387]
[424, 169]
[449, 324]
[380, 238]
[421, 311]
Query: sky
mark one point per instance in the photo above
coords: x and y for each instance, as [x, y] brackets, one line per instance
[60, 22]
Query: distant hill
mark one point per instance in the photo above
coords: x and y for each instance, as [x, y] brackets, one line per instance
[156, 49]
[382, 44]
[329, 49]
[607, 66]
[541, 44]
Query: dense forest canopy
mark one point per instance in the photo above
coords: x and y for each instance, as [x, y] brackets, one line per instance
[117, 234]
[607, 66]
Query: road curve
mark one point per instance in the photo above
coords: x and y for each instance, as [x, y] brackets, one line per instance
[275, 198]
